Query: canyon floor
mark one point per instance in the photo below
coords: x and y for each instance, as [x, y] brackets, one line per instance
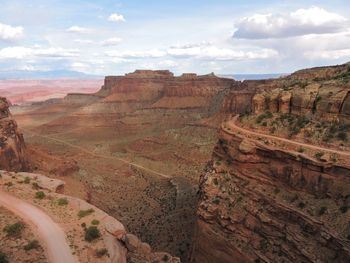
[142, 167]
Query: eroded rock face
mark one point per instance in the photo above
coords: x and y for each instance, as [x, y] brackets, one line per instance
[12, 147]
[160, 89]
[259, 203]
[322, 92]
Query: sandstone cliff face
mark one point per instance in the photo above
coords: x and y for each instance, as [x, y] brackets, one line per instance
[259, 203]
[322, 92]
[160, 89]
[12, 147]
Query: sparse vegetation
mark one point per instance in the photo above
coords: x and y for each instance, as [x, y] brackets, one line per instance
[343, 209]
[26, 180]
[92, 233]
[95, 222]
[216, 201]
[34, 244]
[301, 205]
[40, 195]
[101, 252]
[14, 230]
[318, 155]
[35, 186]
[3, 258]
[83, 213]
[261, 117]
[62, 201]
[323, 210]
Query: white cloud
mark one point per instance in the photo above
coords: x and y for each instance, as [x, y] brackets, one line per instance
[111, 41]
[77, 29]
[152, 53]
[28, 53]
[199, 52]
[215, 53]
[15, 52]
[116, 18]
[83, 41]
[8, 32]
[313, 20]
[191, 45]
[328, 54]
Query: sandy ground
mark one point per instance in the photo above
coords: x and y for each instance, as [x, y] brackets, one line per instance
[51, 235]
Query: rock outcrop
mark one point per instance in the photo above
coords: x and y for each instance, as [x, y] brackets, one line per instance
[260, 203]
[12, 147]
[158, 89]
[322, 92]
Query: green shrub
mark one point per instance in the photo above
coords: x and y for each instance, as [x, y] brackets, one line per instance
[342, 136]
[26, 180]
[83, 213]
[14, 230]
[343, 209]
[301, 150]
[92, 233]
[101, 252]
[40, 195]
[318, 155]
[62, 201]
[35, 186]
[323, 210]
[3, 258]
[301, 205]
[216, 201]
[34, 244]
[95, 222]
[165, 258]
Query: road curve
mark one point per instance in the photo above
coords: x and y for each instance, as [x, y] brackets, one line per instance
[232, 124]
[52, 237]
[99, 155]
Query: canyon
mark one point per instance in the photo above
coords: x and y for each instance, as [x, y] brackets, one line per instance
[205, 168]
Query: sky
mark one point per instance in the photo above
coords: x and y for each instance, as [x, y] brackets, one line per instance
[222, 36]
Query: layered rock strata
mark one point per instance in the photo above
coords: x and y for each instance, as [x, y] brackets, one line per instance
[12, 147]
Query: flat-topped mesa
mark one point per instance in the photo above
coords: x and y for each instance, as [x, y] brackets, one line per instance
[12, 147]
[161, 89]
[150, 74]
[81, 98]
[190, 84]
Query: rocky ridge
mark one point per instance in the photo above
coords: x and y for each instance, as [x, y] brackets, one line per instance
[121, 245]
[269, 200]
[12, 146]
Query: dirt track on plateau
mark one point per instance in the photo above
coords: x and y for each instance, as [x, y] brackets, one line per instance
[52, 237]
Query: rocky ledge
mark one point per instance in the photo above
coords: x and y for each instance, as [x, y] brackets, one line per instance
[259, 203]
[12, 147]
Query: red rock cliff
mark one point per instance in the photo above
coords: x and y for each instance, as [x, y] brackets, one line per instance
[12, 147]
[262, 203]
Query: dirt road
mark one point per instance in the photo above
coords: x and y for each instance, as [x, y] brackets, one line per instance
[51, 236]
[233, 126]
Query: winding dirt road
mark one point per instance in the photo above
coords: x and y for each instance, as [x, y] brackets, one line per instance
[99, 155]
[233, 126]
[52, 237]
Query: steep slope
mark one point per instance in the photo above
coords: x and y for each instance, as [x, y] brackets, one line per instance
[273, 193]
[12, 147]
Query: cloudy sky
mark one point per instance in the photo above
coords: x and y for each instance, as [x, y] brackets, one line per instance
[224, 36]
